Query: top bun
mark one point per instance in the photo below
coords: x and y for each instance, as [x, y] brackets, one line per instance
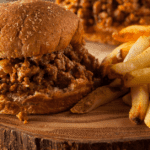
[36, 28]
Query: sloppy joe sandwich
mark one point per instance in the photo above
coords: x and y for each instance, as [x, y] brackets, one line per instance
[103, 17]
[44, 66]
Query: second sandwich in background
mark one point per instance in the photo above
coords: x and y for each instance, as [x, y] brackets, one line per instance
[101, 18]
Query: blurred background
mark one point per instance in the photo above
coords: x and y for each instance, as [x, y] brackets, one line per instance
[5, 1]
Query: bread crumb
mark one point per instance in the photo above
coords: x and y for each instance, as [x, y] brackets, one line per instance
[22, 116]
[25, 122]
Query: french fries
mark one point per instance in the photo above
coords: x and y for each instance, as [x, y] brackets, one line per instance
[138, 62]
[131, 33]
[98, 97]
[134, 71]
[135, 50]
[140, 102]
[117, 55]
[139, 46]
[137, 77]
[116, 83]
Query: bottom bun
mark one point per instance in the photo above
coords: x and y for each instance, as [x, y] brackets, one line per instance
[42, 103]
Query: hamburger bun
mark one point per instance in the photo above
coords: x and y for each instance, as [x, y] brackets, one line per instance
[44, 65]
[36, 28]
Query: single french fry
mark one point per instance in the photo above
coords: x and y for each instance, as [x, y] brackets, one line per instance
[127, 99]
[117, 55]
[140, 100]
[137, 77]
[116, 83]
[131, 33]
[147, 117]
[138, 47]
[98, 97]
[124, 51]
[138, 62]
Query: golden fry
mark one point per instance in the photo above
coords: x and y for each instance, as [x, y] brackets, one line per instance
[131, 33]
[140, 100]
[138, 62]
[116, 83]
[138, 47]
[98, 97]
[137, 77]
[117, 55]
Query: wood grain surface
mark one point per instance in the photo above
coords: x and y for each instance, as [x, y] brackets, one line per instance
[105, 128]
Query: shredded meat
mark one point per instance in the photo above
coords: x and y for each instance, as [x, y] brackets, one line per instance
[58, 69]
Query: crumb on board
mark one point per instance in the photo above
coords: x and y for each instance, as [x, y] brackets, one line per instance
[22, 116]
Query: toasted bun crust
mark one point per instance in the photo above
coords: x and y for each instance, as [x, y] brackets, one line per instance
[36, 28]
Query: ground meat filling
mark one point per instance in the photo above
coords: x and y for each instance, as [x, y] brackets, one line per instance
[58, 69]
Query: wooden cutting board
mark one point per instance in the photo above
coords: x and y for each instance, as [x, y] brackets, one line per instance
[106, 128]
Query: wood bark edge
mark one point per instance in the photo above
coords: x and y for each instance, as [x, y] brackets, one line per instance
[13, 139]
